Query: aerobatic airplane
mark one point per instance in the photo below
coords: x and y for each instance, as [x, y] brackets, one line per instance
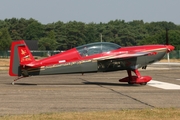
[93, 57]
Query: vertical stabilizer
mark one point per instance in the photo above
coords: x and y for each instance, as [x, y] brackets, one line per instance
[20, 56]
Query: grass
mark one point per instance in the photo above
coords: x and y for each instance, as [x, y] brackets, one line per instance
[4, 62]
[140, 114]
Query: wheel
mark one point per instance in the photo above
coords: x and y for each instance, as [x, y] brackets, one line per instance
[143, 83]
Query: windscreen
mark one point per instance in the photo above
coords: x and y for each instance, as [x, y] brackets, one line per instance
[96, 48]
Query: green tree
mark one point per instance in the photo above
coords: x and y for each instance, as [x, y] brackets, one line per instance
[90, 33]
[13, 28]
[5, 39]
[174, 38]
[75, 34]
[3, 24]
[160, 38]
[34, 31]
[61, 35]
[48, 43]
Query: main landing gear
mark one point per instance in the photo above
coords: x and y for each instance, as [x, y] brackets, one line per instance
[138, 79]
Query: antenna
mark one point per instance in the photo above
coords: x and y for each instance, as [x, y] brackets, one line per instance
[101, 36]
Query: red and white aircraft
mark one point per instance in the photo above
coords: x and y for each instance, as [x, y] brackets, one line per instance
[94, 57]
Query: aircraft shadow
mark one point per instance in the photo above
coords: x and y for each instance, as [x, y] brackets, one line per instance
[108, 84]
[29, 84]
[83, 83]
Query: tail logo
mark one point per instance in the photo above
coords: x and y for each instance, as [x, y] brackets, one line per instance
[23, 52]
[24, 55]
[26, 58]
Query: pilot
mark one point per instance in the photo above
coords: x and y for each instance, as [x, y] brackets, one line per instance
[85, 51]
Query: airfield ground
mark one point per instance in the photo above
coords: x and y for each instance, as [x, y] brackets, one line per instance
[90, 92]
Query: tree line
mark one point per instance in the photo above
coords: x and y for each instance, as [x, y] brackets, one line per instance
[62, 36]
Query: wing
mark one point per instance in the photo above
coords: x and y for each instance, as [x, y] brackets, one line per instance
[124, 55]
[123, 61]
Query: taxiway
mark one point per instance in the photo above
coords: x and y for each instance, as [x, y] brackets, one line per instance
[89, 92]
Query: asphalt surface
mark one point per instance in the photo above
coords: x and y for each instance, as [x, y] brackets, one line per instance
[88, 92]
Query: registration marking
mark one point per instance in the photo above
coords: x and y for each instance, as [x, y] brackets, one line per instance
[163, 85]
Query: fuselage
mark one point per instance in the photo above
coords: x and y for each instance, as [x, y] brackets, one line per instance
[98, 57]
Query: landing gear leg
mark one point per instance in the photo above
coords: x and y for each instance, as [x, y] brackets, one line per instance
[19, 77]
[130, 77]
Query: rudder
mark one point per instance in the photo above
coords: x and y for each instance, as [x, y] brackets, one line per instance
[20, 55]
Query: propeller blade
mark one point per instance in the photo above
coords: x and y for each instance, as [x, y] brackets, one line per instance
[167, 37]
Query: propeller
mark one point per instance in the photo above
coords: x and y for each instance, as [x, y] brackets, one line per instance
[167, 37]
[169, 47]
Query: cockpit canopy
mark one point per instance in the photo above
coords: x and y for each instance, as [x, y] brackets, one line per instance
[96, 48]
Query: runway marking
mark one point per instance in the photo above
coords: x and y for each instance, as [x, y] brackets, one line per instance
[166, 63]
[164, 85]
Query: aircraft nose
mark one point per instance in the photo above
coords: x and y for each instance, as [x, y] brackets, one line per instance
[170, 48]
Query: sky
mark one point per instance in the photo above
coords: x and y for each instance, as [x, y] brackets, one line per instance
[87, 11]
